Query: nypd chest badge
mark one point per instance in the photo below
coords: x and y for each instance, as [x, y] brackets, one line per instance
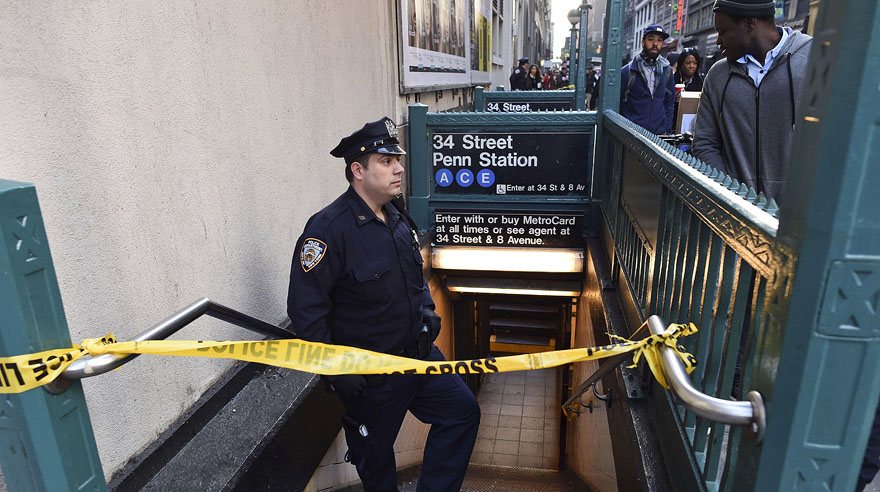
[311, 253]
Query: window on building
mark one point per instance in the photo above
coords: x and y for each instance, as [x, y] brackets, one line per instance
[497, 27]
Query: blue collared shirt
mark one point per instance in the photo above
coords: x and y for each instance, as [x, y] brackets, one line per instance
[757, 69]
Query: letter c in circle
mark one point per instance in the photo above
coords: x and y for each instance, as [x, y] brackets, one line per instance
[464, 178]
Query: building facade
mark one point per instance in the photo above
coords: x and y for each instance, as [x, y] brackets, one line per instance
[532, 31]
[643, 16]
[178, 150]
[699, 30]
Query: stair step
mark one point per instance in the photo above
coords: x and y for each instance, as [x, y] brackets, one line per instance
[480, 478]
[524, 308]
[521, 344]
[523, 323]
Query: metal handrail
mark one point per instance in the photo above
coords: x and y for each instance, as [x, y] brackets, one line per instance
[750, 413]
[608, 366]
[93, 366]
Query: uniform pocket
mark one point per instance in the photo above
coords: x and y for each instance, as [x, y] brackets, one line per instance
[371, 279]
[360, 448]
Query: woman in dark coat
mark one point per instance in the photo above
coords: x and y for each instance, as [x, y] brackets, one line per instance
[534, 80]
[688, 74]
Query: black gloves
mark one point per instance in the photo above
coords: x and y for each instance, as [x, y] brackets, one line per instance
[432, 321]
[349, 386]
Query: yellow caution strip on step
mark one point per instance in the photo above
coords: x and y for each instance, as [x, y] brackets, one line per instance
[25, 372]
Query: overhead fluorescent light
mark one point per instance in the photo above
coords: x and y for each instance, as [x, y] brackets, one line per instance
[516, 292]
[544, 260]
[517, 287]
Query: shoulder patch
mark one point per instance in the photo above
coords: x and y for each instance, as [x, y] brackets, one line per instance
[311, 253]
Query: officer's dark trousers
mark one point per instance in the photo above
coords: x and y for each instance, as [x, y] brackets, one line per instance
[871, 462]
[440, 400]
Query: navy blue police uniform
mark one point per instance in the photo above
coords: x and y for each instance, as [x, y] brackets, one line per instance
[357, 280]
[518, 76]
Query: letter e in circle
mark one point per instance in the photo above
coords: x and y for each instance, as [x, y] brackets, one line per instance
[485, 178]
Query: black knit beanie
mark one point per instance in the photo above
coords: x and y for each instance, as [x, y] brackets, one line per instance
[746, 8]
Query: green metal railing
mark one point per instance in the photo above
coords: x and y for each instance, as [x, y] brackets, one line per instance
[797, 288]
[47, 438]
[693, 245]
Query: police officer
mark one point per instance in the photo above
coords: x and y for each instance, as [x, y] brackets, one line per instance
[518, 76]
[357, 280]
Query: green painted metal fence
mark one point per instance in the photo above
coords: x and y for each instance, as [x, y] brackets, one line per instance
[693, 245]
[801, 291]
[47, 438]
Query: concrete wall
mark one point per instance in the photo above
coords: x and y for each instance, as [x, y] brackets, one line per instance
[178, 149]
[588, 441]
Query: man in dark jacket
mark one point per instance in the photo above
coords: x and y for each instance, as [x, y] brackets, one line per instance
[356, 280]
[518, 76]
[746, 117]
[647, 89]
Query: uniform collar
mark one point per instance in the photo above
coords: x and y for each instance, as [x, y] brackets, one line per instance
[362, 212]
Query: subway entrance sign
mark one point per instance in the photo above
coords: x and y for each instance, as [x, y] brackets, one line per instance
[514, 105]
[550, 229]
[500, 101]
[502, 183]
[511, 163]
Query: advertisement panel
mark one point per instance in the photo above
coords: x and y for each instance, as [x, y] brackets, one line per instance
[481, 41]
[435, 44]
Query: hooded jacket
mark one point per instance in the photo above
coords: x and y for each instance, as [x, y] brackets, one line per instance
[652, 112]
[746, 131]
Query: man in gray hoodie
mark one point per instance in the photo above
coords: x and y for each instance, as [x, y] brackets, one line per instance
[746, 117]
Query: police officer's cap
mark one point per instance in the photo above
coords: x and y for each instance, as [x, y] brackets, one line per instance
[657, 29]
[378, 136]
[524, 59]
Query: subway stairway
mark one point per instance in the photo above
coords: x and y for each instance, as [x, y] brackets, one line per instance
[518, 445]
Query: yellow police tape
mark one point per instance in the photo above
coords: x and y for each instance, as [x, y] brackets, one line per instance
[25, 372]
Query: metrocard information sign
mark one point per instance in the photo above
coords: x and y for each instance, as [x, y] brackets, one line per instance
[515, 163]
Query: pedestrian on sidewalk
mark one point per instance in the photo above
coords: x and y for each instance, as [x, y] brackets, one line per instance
[647, 88]
[534, 81]
[518, 76]
[746, 118]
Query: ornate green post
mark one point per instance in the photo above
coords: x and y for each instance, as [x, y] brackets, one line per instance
[419, 174]
[47, 439]
[479, 104]
[609, 99]
[612, 54]
[573, 14]
[580, 93]
[817, 361]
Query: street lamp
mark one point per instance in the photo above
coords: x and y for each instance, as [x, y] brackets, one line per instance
[574, 16]
[581, 80]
